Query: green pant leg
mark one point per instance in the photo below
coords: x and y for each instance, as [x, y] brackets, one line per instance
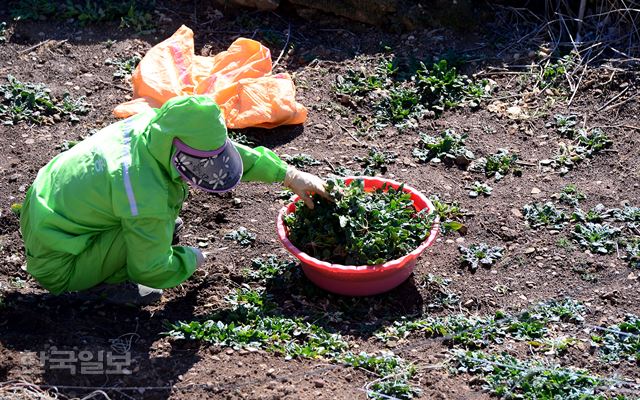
[104, 261]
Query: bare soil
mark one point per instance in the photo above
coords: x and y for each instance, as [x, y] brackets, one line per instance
[31, 321]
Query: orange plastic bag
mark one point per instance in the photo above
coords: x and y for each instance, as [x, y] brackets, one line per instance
[238, 79]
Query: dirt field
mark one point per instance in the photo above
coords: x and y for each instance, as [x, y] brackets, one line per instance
[538, 264]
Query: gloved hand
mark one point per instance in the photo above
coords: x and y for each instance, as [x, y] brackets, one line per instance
[303, 184]
[200, 257]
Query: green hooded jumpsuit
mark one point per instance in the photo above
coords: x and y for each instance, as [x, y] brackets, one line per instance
[105, 210]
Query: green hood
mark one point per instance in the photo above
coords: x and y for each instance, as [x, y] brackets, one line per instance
[195, 120]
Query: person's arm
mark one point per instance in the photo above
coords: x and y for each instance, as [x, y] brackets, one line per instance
[261, 164]
[151, 260]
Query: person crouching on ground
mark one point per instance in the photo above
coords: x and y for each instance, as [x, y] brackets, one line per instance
[105, 211]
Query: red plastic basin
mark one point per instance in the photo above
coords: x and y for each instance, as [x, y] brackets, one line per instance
[360, 280]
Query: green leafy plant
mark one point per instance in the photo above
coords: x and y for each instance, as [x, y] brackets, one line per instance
[547, 214]
[497, 165]
[620, 341]
[439, 294]
[571, 195]
[357, 82]
[597, 214]
[138, 19]
[451, 215]
[441, 87]
[478, 188]
[16, 208]
[400, 103]
[124, 66]
[627, 214]
[596, 237]
[478, 332]
[565, 125]
[430, 90]
[553, 74]
[448, 148]
[252, 321]
[241, 236]
[131, 14]
[33, 9]
[300, 160]
[510, 378]
[359, 227]
[376, 161]
[240, 137]
[265, 269]
[586, 144]
[3, 32]
[480, 254]
[396, 371]
[633, 252]
[34, 103]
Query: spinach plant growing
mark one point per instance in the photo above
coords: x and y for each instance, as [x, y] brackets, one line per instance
[448, 148]
[480, 254]
[360, 227]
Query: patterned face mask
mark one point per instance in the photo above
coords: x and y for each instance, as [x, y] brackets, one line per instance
[216, 171]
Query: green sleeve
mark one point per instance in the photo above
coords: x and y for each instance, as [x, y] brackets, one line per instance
[151, 260]
[261, 164]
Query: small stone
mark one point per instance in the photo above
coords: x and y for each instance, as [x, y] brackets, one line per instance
[529, 250]
[236, 201]
[516, 212]
[632, 276]
[271, 372]
[318, 383]
[535, 190]
[460, 240]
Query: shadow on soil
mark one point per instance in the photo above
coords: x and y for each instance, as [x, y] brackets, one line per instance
[61, 327]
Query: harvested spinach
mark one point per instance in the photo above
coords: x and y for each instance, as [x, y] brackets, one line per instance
[361, 228]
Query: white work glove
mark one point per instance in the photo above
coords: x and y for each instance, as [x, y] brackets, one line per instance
[304, 184]
[199, 256]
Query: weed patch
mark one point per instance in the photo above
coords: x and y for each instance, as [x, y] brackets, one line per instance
[266, 269]
[480, 254]
[633, 253]
[448, 148]
[241, 236]
[241, 138]
[478, 332]
[431, 90]
[440, 296]
[478, 188]
[497, 165]
[597, 214]
[621, 341]
[300, 160]
[252, 323]
[538, 215]
[376, 162]
[130, 14]
[599, 238]
[34, 103]
[586, 144]
[510, 378]
[571, 195]
[124, 66]
[565, 125]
